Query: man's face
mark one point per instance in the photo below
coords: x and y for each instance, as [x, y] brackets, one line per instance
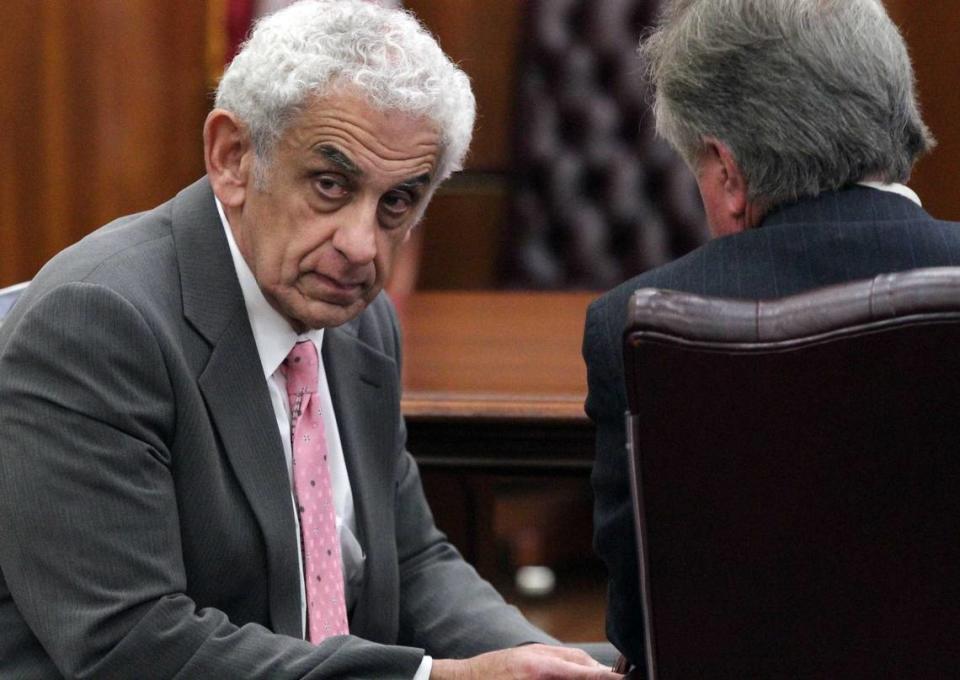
[341, 191]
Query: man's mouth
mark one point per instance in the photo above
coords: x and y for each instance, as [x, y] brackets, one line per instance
[337, 290]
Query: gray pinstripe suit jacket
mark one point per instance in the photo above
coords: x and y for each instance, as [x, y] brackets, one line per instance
[840, 236]
[145, 515]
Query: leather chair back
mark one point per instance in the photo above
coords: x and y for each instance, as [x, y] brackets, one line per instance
[797, 473]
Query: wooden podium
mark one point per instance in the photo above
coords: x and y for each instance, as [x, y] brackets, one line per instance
[493, 389]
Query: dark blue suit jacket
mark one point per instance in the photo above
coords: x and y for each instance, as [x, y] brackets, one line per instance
[840, 236]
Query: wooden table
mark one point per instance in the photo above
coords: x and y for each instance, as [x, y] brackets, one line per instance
[493, 390]
[495, 381]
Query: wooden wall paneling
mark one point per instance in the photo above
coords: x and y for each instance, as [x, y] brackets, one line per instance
[149, 100]
[483, 38]
[461, 234]
[930, 31]
[19, 101]
[463, 226]
[103, 114]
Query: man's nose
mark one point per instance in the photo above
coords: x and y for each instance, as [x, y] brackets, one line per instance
[356, 237]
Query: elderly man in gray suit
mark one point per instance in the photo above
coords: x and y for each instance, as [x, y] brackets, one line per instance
[203, 470]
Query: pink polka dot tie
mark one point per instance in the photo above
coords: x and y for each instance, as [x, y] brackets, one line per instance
[323, 573]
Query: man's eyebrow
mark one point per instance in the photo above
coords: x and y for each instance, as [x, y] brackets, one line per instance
[415, 182]
[340, 159]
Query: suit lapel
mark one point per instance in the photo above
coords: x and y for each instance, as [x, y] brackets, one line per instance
[363, 386]
[240, 408]
[236, 393]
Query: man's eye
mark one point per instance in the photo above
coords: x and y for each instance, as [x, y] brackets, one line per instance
[331, 186]
[397, 203]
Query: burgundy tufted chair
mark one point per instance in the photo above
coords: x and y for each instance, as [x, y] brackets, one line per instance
[797, 478]
[598, 197]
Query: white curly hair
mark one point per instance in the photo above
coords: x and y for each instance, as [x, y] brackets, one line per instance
[311, 47]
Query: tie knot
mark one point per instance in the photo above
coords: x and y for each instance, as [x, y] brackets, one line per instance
[300, 368]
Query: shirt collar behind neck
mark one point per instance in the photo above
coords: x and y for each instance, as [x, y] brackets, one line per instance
[272, 333]
[894, 188]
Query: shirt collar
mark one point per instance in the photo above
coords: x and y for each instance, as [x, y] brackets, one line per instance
[272, 333]
[894, 188]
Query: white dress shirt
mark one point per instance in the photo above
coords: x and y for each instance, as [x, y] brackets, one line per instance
[275, 338]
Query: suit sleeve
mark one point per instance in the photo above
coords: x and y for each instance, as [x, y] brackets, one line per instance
[90, 546]
[445, 606]
[614, 538]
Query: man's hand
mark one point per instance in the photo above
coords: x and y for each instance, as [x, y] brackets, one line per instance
[530, 662]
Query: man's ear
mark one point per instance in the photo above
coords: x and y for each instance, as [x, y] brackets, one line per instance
[732, 183]
[228, 155]
[723, 187]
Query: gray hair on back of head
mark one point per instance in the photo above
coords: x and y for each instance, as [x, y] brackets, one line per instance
[313, 47]
[809, 95]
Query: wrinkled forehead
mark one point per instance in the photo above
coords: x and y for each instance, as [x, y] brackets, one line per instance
[393, 129]
[348, 133]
